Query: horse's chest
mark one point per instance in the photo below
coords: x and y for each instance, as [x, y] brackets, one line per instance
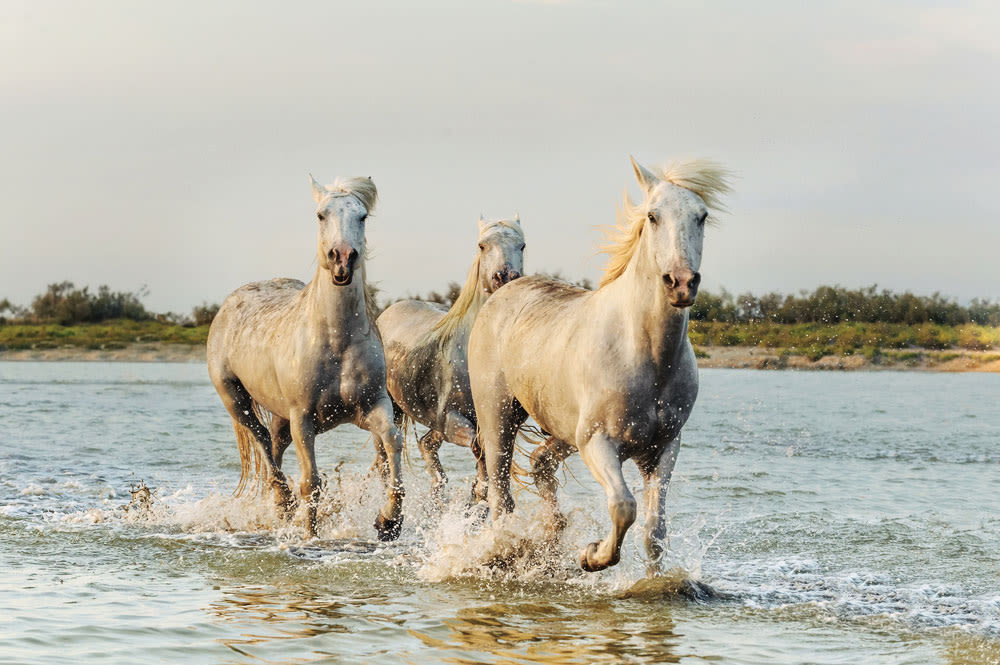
[654, 417]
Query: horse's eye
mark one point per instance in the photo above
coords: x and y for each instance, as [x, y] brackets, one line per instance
[522, 246]
[652, 217]
[482, 247]
[704, 216]
[320, 216]
[364, 217]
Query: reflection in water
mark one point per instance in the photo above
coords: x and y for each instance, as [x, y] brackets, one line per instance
[528, 626]
[534, 632]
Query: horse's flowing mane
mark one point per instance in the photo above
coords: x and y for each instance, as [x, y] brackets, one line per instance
[361, 187]
[471, 298]
[706, 178]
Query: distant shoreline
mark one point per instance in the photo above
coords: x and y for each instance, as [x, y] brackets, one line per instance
[732, 357]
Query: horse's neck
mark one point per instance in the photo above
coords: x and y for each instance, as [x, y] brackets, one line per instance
[656, 328]
[337, 309]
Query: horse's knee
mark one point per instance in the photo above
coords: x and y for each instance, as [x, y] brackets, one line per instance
[622, 511]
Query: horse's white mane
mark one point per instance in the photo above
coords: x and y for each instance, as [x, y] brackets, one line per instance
[471, 298]
[361, 187]
[704, 177]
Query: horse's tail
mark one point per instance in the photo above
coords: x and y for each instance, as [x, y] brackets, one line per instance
[534, 437]
[252, 466]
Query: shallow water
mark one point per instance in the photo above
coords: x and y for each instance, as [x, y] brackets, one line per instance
[839, 518]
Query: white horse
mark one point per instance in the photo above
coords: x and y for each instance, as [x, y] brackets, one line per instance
[610, 372]
[426, 349]
[292, 360]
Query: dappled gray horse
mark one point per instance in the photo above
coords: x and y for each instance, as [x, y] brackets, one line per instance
[292, 360]
[426, 349]
[610, 372]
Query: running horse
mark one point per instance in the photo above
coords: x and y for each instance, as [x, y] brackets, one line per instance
[427, 345]
[610, 372]
[292, 360]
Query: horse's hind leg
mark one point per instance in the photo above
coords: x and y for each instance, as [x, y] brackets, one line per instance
[240, 406]
[545, 462]
[281, 438]
[601, 455]
[429, 445]
[459, 429]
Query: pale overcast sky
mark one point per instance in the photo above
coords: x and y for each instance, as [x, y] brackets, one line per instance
[169, 143]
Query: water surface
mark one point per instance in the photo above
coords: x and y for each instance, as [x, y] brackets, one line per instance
[840, 518]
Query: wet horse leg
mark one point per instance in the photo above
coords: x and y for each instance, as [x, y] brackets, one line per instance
[601, 456]
[498, 428]
[545, 461]
[380, 464]
[429, 445]
[379, 421]
[657, 478]
[240, 406]
[281, 438]
[459, 429]
[303, 430]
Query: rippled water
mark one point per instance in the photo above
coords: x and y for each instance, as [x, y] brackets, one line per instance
[838, 518]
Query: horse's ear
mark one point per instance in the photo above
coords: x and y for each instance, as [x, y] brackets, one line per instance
[319, 191]
[645, 177]
[517, 218]
[482, 221]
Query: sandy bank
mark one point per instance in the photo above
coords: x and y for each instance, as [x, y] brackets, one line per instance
[152, 352]
[752, 357]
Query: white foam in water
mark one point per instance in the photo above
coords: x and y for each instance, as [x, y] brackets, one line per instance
[794, 582]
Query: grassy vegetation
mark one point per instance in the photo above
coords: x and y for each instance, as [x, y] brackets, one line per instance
[882, 326]
[816, 340]
[113, 334]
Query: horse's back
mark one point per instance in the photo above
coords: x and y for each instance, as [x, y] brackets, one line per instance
[413, 357]
[248, 317]
[535, 306]
[405, 322]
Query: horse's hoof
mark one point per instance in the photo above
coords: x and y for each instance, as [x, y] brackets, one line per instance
[586, 556]
[388, 529]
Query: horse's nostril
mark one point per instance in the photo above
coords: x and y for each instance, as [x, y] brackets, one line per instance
[695, 279]
[669, 279]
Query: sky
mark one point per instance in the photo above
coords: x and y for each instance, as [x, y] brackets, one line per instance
[168, 144]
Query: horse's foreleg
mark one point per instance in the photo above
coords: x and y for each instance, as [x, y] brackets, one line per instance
[657, 479]
[303, 430]
[379, 421]
[497, 429]
[601, 456]
[545, 462]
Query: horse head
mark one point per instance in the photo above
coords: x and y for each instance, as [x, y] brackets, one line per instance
[501, 252]
[342, 209]
[674, 218]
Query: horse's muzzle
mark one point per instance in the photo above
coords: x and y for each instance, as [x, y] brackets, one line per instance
[341, 260]
[682, 286]
[503, 276]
